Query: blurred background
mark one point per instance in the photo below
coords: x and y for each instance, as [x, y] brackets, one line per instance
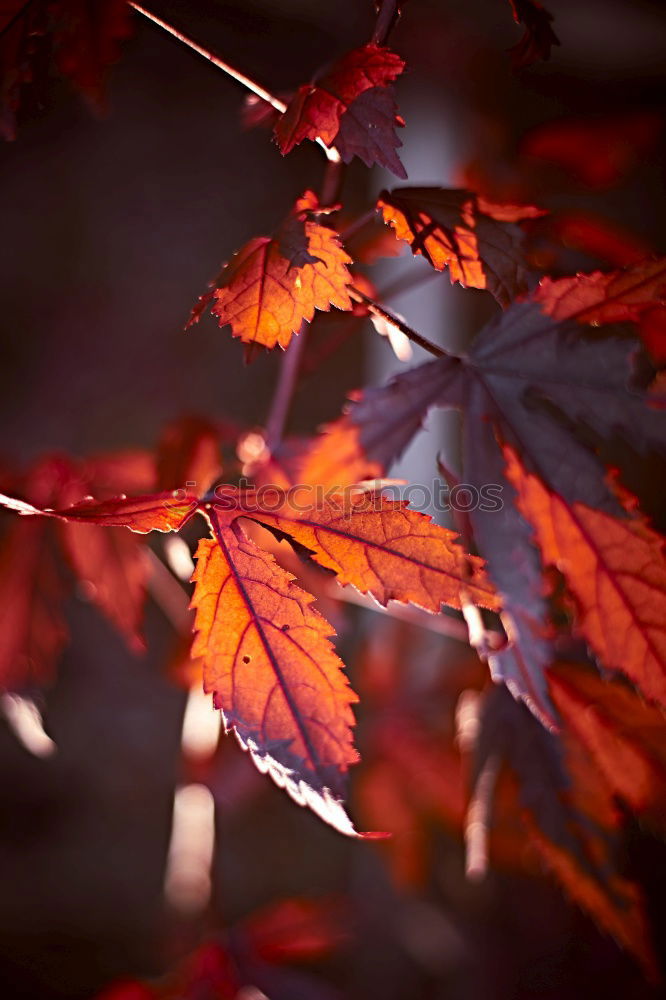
[111, 229]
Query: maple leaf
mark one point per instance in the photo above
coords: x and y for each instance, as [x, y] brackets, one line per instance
[349, 106]
[624, 736]
[450, 228]
[569, 818]
[270, 665]
[381, 547]
[539, 37]
[616, 571]
[167, 511]
[82, 37]
[526, 378]
[274, 284]
[633, 294]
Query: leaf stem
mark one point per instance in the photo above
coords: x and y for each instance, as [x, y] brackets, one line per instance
[386, 314]
[290, 366]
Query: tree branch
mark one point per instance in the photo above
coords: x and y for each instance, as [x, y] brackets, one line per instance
[246, 82]
[386, 19]
[331, 154]
[386, 314]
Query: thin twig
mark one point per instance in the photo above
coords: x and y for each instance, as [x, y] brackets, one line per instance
[246, 82]
[290, 366]
[388, 15]
[394, 320]
[331, 153]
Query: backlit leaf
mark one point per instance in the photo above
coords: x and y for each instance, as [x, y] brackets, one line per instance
[351, 106]
[274, 284]
[270, 665]
[538, 38]
[616, 571]
[450, 229]
[381, 547]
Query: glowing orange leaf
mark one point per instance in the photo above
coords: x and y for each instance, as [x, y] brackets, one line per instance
[450, 229]
[634, 294]
[273, 284]
[624, 735]
[155, 512]
[270, 665]
[381, 547]
[616, 570]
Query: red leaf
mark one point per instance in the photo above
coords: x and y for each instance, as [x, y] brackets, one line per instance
[539, 37]
[113, 568]
[568, 816]
[624, 736]
[612, 297]
[272, 670]
[616, 571]
[381, 547]
[450, 229]
[337, 109]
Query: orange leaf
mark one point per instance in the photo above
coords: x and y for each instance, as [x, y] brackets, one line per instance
[381, 547]
[274, 284]
[615, 569]
[450, 229]
[167, 511]
[568, 816]
[274, 674]
[624, 735]
[612, 297]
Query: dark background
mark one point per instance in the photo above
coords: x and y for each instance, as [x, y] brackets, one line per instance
[110, 229]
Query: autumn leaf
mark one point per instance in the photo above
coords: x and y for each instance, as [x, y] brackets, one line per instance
[82, 38]
[270, 665]
[633, 294]
[274, 284]
[624, 735]
[525, 378]
[451, 229]
[349, 106]
[538, 38]
[167, 511]
[616, 570]
[382, 548]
